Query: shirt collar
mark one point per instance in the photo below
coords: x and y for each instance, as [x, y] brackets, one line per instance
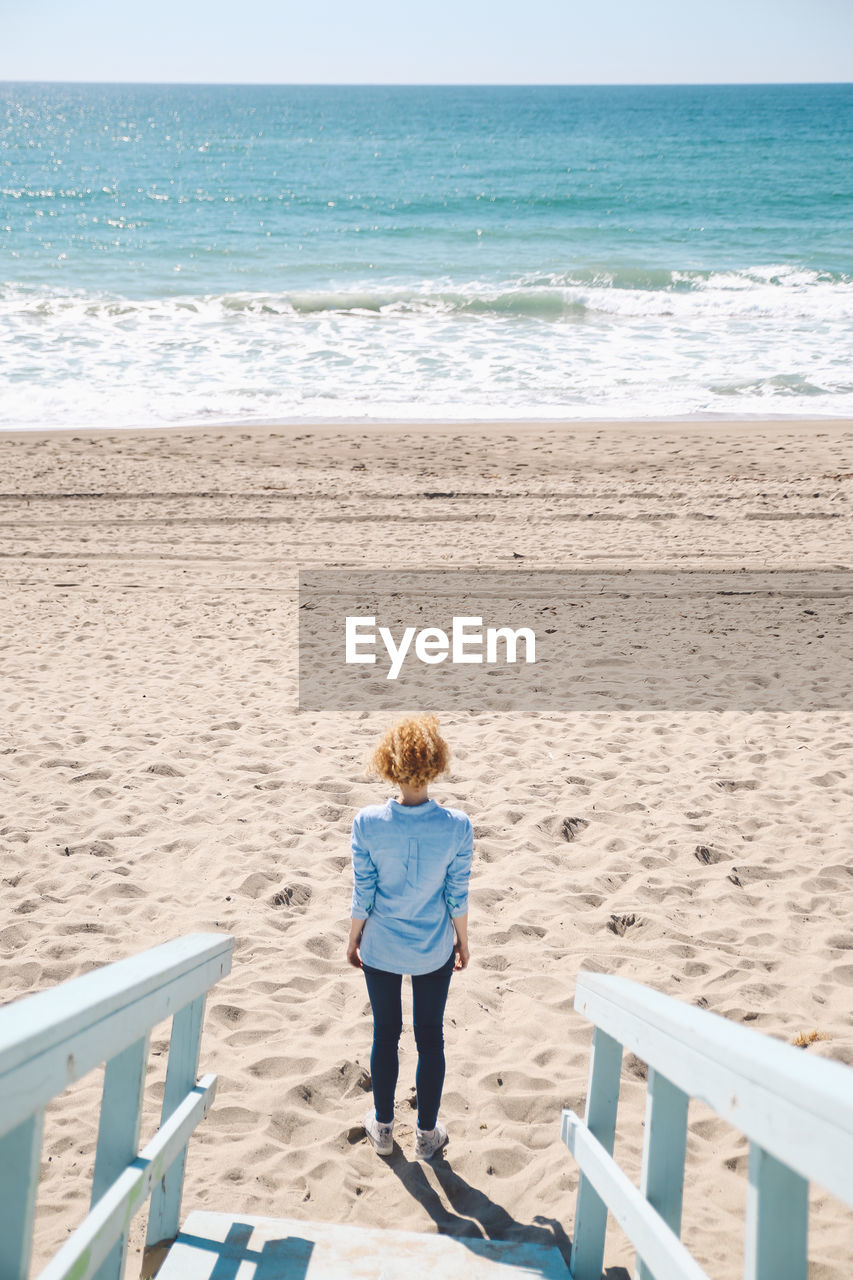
[426, 807]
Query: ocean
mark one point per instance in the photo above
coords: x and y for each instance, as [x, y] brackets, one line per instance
[191, 254]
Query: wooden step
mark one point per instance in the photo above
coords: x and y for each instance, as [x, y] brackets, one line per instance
[216, 1246]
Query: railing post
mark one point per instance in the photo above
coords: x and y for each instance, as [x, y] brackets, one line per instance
[118, 1135]
[602, 1099]
[664, 1151]
[20, 1156]
[184, 1046]
[777, 1219]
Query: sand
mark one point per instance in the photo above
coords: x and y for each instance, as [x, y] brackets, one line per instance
[157, 779]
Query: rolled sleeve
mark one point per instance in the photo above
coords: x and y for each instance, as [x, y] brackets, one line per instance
[364, 877]
[458, 875]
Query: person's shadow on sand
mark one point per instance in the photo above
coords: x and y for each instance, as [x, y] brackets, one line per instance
[473, 1215]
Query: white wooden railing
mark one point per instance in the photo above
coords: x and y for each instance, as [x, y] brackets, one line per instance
[54, 1038]
[797, 1113]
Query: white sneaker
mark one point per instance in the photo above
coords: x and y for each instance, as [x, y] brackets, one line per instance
[381, 1135]
[428, 1141]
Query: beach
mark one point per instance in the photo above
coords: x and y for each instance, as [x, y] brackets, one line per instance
[159, 779]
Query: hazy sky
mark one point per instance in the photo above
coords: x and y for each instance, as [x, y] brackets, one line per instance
[428, 41]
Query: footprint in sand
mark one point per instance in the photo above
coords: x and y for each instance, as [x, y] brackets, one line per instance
[506, 1161]
[620, 924]
[240, 1119]
[516, 1082]
[708, 855]
[285, 1126]
[323, 945]
[229, 1014]
[295, 895]
[271, 1068]
[120, 889]
[256, 884]
[527, 1108]
[518, 932]
[99, 849]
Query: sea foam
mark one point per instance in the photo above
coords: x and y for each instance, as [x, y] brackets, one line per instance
[555, 348]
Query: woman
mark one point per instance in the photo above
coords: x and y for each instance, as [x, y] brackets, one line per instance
[411, 860]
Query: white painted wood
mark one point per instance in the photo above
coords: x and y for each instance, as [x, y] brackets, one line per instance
[658, 1246]
[796, 1108]
[184, 1045]
[664, 1150]
[85, 1250]
[777, 1219]
[220, 1246]
[49, 1017]
[118, 1135]
[602, 1100]
[20, 1155]
[49, 1040]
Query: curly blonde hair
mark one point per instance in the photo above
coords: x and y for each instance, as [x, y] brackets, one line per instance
[412, 751]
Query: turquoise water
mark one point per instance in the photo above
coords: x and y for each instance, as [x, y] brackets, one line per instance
[190, 253]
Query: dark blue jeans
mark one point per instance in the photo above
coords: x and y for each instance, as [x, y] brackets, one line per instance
[429, 996]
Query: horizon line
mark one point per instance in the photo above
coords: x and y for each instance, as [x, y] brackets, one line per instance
[430, 84]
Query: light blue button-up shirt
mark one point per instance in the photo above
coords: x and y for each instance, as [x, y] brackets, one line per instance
[411, 865]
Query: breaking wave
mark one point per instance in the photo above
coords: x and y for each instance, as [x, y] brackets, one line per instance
[598, 343]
